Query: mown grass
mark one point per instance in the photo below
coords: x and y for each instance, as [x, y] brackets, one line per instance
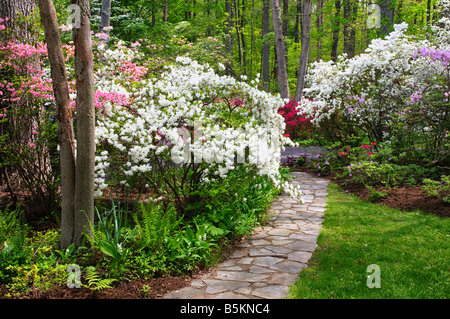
[412, 250]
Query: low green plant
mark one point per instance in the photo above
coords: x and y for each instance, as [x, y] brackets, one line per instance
[301, 161]
[95, 282]
[375, 195]
[437, 188]
[154, 224]
[111, 235]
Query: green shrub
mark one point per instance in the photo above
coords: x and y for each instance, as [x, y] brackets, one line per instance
[438, 188]
[154, 224]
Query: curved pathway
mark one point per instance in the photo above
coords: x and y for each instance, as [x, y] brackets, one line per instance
[269, 261]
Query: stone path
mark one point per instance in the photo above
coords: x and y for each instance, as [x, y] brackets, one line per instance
[271, 259]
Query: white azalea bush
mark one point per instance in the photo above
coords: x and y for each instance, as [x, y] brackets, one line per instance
[184, 129]
[395, 92]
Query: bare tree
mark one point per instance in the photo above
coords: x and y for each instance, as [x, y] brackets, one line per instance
[304, 56]
[279, 45]
[64, 118]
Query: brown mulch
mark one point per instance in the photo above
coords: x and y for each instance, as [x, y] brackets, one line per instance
[403, 198]
[153, 288]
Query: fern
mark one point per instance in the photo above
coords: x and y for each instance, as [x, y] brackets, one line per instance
[94, 280]
[154, 225]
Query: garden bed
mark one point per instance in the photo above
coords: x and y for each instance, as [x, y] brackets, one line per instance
[404, 198]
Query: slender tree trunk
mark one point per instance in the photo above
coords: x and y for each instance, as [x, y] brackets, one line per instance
[279, 44]
[85, 103]
[336, 30]
[346, 27]
[428, 11]
[319, 24]
[64, 117]
[238, 34]
[286, 28]
[265, 58]
[298, 22]
[105, 16]
[241, 30]
[387, 16]
[304, 57]
[166, 6]
[349, 27]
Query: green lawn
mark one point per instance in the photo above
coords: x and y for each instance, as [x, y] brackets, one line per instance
[412, 250]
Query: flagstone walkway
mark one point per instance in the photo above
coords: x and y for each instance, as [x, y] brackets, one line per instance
[271, 259]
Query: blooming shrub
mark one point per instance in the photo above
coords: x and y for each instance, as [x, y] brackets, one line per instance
[396, 92]
[185, 129]
[174, 129]
[297, 125]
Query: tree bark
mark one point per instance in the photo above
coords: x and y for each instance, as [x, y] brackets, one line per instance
[349, 28]
[298, 21]
[304, 57]
[387, 16]
[319, 24]
[336, 30]
[85, 104]
[279, 45]
[166, 6]
[265, 58]
[10, 9]
[64, 118]
[286, 28]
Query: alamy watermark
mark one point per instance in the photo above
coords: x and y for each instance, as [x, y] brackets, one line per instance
[374, 279]
[74, 20]
[374, 18]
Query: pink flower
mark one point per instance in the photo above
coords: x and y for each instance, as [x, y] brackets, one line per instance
[31, 144]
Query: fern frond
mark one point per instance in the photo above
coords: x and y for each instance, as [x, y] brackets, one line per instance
[94, 280]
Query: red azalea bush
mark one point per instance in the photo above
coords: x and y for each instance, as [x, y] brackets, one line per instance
[298, 125]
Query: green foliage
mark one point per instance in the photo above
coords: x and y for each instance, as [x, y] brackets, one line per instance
[111, 235]
[154, 225]
[438, 188]
[95, 282]
[301, 161]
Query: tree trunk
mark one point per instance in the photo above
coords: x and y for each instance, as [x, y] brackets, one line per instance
[304, 57]
[64, 117]
[244, 45]
[286, 28]
[387, 16]
[166, 6]
[85, 103]
[336, 30]
[11, 9]
[105, 17]
[265, 59]
[319, 24]
[279, 44]
[238, 34]
[349, 28]
[298, 22]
